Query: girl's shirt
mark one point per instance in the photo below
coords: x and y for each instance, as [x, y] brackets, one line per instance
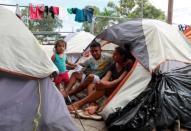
[60, 62]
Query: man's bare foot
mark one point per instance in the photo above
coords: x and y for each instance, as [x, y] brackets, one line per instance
[73, 107]
[92, 108]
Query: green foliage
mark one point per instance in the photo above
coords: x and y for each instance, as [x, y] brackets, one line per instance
[126, 9]
[46, 24]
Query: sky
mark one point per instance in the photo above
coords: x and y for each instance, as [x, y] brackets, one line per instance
[68, 20]
[181, 9]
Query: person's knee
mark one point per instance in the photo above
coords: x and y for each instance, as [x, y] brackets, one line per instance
[90, 77]
[75, 74]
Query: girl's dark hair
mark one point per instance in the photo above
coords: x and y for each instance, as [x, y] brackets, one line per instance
[60, 41]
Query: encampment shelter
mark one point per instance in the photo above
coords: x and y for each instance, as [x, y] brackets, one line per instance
[157, 90]
[28, 99]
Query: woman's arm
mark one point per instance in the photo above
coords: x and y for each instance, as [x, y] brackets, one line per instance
[115, 82]
[107, 76]
[104, 84]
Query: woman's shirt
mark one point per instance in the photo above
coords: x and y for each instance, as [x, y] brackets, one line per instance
[115, 74]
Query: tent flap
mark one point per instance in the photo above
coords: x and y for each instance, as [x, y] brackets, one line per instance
[129, 34]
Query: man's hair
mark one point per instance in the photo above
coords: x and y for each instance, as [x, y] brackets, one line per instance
[95, 44]
[60, 41]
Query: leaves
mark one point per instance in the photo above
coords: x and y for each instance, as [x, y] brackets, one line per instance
[125, 9]
[46, 24]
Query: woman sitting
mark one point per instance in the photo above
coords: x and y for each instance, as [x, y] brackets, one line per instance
[121, 66]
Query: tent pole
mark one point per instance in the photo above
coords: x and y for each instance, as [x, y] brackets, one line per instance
[170, 11]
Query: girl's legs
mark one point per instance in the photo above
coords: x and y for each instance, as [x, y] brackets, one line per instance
[73, 79]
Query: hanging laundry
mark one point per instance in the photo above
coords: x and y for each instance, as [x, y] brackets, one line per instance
[54, 11]
[69, 10]
[62, 14]
[82, 15]
[36, 13]
[18, 11]
[88, 14]
[46, 10]
[79, 14]
[40, 11]
[74, 10]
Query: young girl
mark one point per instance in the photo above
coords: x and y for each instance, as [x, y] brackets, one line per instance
[60, 60]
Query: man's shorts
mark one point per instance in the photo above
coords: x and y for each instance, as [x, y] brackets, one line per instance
[96, 78]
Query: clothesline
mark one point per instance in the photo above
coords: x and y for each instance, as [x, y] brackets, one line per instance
[95, 16]
[13, 5]
[50, 32]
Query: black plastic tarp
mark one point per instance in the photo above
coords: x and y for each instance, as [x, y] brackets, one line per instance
[167, 99]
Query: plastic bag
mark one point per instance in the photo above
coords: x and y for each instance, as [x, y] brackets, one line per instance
[167, 99]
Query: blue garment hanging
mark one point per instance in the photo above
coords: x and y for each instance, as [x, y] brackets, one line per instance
[88, 14]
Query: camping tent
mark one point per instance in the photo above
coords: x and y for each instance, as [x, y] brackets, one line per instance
[156, 92]
[76, 43]
[28, 99]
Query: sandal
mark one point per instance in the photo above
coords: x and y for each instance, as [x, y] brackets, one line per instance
[76, 111]
[92, 108]
[86, 115]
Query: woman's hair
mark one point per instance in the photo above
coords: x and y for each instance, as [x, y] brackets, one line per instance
[60, 41]
[122, 52]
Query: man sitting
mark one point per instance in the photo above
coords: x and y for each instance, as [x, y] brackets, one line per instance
[119, 69]
[95, 69]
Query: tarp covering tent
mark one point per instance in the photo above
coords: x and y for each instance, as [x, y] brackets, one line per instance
[162, 72]
[28, 99]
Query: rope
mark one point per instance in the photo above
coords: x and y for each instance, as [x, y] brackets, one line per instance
[38, 115]
[78, 117]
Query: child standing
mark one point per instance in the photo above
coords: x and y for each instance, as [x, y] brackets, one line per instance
[61, 62]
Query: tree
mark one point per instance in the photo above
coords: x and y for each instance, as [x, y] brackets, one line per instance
[127, 9]
[46, 24]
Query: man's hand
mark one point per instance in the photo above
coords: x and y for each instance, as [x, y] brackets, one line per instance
[100, 85]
